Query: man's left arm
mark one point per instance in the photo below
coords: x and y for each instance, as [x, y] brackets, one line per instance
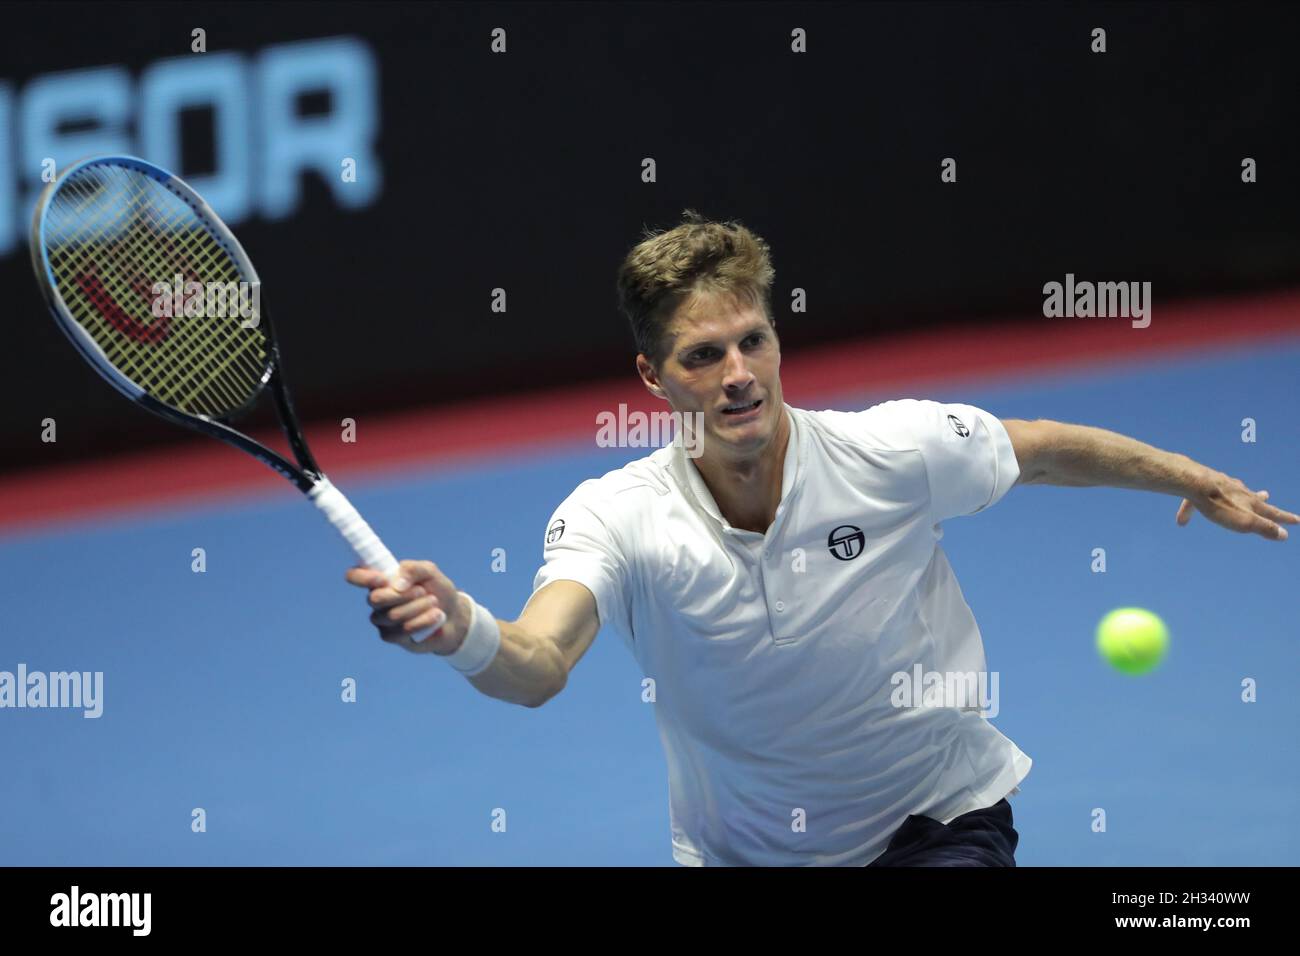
[1055, 453]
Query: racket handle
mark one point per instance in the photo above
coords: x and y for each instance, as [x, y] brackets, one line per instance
[343, 516]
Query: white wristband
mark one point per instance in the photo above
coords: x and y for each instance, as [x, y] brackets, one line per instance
[482, 641]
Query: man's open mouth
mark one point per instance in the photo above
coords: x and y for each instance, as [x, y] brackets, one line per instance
[743, 408]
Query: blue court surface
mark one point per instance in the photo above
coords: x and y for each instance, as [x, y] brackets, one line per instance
[223, 689]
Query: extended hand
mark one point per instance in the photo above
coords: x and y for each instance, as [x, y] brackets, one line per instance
[1228, 502]
[427, 598]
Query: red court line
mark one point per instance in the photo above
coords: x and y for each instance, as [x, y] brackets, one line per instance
[433, 437]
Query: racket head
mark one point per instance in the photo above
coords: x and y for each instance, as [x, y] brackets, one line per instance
[107, 236]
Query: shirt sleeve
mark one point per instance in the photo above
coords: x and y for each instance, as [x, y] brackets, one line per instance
[580, 546]
[969, 460]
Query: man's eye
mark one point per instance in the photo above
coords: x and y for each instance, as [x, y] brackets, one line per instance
[755, 339]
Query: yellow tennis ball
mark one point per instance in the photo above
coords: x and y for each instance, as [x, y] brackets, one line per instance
[1132, 640]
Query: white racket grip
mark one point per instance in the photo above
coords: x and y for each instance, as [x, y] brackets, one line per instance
[343, 516]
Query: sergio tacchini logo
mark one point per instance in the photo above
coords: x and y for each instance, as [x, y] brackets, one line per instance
[846, 542]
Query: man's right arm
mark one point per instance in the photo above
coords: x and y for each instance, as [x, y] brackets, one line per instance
[536, 652]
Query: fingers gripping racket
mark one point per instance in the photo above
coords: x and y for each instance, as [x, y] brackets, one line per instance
[117, 244]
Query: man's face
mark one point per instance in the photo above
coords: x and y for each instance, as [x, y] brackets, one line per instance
[723, 360]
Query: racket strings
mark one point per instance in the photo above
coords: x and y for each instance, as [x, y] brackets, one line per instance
[113, 235]
[166, 363]
[190, 365]
[154, 243]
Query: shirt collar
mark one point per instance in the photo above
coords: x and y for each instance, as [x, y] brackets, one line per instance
[790, 472]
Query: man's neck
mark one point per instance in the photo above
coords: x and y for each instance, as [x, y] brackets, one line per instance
[748, 491]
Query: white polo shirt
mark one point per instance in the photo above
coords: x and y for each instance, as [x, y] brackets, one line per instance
[773, 655]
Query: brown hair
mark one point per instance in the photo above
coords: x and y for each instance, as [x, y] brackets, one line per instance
[697, 258]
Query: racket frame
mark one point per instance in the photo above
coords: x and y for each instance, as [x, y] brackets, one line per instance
[305, 474]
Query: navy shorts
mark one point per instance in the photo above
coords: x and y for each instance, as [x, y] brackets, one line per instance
[979, 838]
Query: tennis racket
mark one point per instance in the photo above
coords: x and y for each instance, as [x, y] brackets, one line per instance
[160, 298]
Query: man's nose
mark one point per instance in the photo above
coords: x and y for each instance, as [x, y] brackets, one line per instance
[736, 374]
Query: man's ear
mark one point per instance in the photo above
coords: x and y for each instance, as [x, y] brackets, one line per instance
[649, 377]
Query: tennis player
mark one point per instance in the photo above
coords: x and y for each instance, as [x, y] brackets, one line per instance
[776, 586]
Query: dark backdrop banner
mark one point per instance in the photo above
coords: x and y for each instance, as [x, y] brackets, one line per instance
[400, 172]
